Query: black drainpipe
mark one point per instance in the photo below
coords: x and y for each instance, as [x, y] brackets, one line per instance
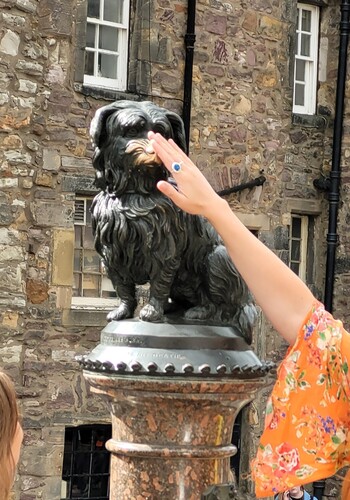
[332, 185]
[332, 237]
[190, 39]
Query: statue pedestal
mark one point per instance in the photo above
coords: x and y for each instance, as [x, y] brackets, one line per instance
[173, 409]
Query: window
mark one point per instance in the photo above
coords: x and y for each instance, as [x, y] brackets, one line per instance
[305, 70]
[106, 51]
[236, 440]
[90, 279]
[85, 471]
[298, 245]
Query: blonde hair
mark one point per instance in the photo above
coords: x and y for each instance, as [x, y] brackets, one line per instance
[8, 426]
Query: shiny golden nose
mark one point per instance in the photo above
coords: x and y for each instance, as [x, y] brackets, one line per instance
[143, 152]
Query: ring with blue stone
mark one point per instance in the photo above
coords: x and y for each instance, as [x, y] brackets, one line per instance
[176, 166]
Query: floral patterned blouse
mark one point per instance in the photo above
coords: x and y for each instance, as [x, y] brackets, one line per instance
[307, 427]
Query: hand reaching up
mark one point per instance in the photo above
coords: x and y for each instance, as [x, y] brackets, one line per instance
[194, 194]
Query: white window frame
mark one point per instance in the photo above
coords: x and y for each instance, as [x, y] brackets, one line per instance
[121, 81]
[311, 62]
[303, 242]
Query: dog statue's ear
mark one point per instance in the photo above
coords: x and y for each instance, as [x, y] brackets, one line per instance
[98, 123]
[98, 136]
[178, 129]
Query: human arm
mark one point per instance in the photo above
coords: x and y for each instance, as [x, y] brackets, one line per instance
[283, 297]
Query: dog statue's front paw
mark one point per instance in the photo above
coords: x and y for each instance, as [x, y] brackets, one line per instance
[121, 312]
[151, 313]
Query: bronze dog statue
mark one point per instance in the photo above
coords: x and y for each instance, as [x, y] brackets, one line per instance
[143, 237]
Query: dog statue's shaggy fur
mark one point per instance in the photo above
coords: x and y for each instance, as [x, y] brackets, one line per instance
[143, 237]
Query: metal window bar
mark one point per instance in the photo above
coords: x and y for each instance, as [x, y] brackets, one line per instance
[94, 480]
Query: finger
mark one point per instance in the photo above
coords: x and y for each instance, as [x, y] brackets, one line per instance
[182, 155]
[167, 189]
[164, 153]
[167, 150]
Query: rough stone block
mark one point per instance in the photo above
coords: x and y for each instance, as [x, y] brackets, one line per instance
[27, 86]
[26, 6]
[17, 157]
[31, 68]
[6, 215]
[272, 28]
[76, 163]
[11, 278]
[37, 291]
[11, 354]
[9, 43]
[11, 254]
[52, 214]
[75, 184]
[13, 21]
[39, 461]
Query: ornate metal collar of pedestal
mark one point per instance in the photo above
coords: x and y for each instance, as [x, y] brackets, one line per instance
[132, 347]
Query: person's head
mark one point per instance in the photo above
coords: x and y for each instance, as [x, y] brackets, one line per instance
[11, 434]
[296, 492]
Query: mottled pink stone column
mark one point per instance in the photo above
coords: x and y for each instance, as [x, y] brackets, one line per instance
[171, 437]
[174, 390]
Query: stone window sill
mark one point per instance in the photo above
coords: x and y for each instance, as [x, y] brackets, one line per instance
[318, 122]
[104, 93]
[87, 312]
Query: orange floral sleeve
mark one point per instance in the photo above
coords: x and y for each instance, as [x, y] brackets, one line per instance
[307, 426]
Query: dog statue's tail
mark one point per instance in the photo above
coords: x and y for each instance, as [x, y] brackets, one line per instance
[246, 318]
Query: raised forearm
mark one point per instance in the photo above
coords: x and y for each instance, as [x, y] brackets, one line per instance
[283, 297]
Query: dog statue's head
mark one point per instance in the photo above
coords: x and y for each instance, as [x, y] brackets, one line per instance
[119, 135]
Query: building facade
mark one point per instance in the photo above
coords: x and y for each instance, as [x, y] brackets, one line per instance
[262, 95]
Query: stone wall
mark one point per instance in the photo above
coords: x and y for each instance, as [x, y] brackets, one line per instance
[242, 125]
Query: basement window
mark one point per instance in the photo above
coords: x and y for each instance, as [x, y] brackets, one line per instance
[85, 472]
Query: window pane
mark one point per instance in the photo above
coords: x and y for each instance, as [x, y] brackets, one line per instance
[108, 291]
[306, 21]
[89, 63]
[296, 227]
[295, 267]
[90, 35]
[77, 260]
[91, 261]
[107, 65]
[300, 70]
[299, 94]
[77, 236]
[77, 285]
[305, 45]
[108, 39]
[90, 285]
[88, 210]
[93, 8]
[113, 11]
[295, 251]
[89, 239]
